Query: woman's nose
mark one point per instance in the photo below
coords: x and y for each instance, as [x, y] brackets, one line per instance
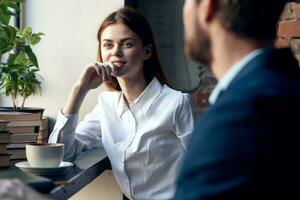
[117, 51]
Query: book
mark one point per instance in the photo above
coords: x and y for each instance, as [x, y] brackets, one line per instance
[3, 125]
[19, 116]
[5, 137]
[24, 137]
[3, 148]
[4, 160]
[21, 129]
[24, 123]
[17, 145]
[19, 153]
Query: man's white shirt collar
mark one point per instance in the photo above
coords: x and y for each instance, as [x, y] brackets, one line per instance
[231, 74]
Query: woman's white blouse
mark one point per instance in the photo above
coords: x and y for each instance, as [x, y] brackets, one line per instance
[145, 143]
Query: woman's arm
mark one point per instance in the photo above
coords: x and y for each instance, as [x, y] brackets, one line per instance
[75, 100]
[92, 77]
[87, 134]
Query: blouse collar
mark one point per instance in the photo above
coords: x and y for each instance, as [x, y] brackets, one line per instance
[144, 101]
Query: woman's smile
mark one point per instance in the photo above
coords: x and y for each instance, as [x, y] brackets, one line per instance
[119, 64]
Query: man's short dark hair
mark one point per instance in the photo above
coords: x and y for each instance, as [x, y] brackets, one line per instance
[251, 18]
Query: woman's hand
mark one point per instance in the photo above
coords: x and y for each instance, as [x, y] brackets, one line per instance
[94, 75]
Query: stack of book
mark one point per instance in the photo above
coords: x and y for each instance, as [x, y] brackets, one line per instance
[5, 138]
[24, 129]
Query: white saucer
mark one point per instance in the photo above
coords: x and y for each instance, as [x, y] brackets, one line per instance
[24, 165]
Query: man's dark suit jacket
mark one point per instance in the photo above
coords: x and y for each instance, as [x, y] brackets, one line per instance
[246, 145]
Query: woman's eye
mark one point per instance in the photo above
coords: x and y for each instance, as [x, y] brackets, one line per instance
[107, 45]
[127, 44]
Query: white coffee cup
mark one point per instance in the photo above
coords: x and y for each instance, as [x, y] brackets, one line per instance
[44, 155]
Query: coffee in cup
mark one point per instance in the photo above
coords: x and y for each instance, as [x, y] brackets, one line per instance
[44, 155]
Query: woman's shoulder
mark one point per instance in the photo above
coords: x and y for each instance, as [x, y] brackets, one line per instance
[180, 101]
[176, 95]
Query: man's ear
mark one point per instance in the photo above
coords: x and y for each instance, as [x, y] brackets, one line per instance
[148, 52]
[207, 10]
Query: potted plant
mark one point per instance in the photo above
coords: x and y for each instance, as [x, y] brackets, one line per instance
[18, 64]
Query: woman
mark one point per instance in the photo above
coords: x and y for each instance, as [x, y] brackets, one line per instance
[142, 123]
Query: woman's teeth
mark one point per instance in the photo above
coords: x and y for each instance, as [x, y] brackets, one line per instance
[118, 64]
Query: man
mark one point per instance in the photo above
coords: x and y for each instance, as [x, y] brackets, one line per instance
[246, 144]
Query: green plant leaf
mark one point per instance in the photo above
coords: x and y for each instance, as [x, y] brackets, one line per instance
[14, 5]
[21, 59]
[35, 70]
[40, 33]
[11, 59]
[6, 49]
[27, 31]
[4, 15]
[11, 33]
[7, 37]
[31, 56]
[35, 38]
[9, 8]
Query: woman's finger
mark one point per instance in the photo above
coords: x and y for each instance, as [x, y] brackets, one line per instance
[108, 71]
[103, 71]
[97, 68]
[114, 69]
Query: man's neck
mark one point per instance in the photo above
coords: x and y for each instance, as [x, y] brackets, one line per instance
[227, 49]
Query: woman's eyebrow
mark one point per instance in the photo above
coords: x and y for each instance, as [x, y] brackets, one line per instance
[122, 40]
[106, 40]
[128, 38]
